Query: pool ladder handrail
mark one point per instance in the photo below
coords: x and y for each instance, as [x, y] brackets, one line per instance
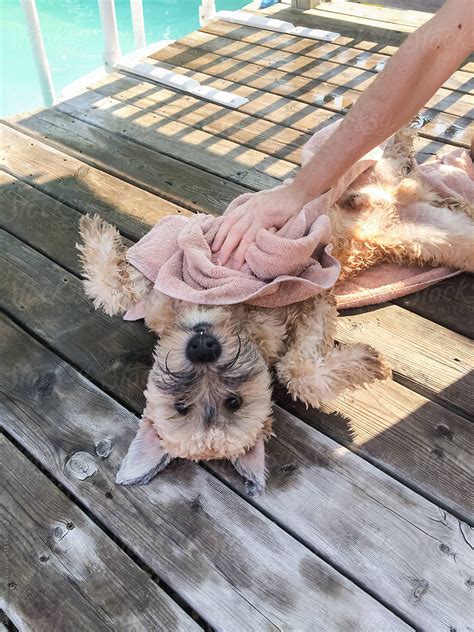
[112, 51]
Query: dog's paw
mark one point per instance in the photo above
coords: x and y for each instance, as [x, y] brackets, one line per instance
[254, 488]
[373, 365]
[355, 201]
[300, 378]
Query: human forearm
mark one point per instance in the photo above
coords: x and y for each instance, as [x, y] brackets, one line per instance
[421, 65]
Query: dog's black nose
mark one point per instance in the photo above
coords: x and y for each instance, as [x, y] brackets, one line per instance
[203, 348]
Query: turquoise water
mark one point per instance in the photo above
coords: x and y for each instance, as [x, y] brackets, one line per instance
[73, 41]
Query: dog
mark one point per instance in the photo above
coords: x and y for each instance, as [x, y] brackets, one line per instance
[209, 392]
[370, 224]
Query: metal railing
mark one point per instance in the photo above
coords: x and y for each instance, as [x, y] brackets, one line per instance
[112, 51]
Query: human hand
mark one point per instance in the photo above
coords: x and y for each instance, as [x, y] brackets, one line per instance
[267, 209]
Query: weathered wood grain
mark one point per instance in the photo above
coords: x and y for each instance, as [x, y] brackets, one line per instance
[124, 371]
[250, 167]
[121, 365]
[333, 73]
[251, 131]
[415, 440]
[307, 59]
[427, 358]
[396, 543]
[213, 548]
[357, 32]
[70, 125]
[205, 67]
[449, 303]
[286, 114]
[378, 14]
[82, 186]
[109, 153]
[61, 567]
[441, 116]
[319, 85]
[40, 221]
[296, 112]
[424, 7]
[51, 302]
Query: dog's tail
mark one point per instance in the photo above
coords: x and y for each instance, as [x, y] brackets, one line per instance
[109, 280]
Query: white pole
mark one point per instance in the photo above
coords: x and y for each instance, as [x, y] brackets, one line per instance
[138, 23]
[207, 11]
[112, 52]
[38, 50]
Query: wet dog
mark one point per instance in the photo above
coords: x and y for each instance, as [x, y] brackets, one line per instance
[209, 392]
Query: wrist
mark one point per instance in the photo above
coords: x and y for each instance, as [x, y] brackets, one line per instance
[296, 196]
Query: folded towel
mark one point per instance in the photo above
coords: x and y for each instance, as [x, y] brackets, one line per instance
[291, 264]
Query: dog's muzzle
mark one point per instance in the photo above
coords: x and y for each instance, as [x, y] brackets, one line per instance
[203, 348]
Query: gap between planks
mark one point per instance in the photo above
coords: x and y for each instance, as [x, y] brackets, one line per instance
[57, 557]
[318, 468]
[434, 372]
[389, 406]
[214, 547]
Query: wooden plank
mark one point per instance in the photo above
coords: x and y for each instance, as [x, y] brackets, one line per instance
[117, 354]
[355, 515]
[344, 50]
[299, 88]
[427, 358]
[420, 443]
[97, 155]
[289, 48]
[143, 137]
[295, 53]
[29, 214]
[449, 303]
[63, 572]
[235, 125]
[216, 155]
[68, 318]
[420, 6]
[263, 106]
[80, 186]
[216, 550]
[377, 13]
[332, 74]
[294, 111]
[354, 32]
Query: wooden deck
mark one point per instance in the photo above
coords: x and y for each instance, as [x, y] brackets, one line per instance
[365, 524]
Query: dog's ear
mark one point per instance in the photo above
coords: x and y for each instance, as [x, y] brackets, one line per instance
[145, 457]
[251, 466]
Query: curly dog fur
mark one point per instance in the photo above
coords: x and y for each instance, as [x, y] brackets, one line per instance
[223, 408]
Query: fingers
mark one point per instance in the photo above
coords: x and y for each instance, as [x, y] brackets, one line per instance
[233, 238]
[245, 242]
[224, 230]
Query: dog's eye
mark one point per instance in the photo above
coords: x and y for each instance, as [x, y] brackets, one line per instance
[234, 402]
[181, 408]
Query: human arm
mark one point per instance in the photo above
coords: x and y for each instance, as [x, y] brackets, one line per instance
[412, 76]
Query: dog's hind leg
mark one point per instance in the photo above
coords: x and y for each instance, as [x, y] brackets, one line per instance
[314, 369]
[109, 280]
[440, 236]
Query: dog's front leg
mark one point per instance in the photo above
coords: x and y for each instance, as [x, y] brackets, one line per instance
[109, 280]
[314, 369]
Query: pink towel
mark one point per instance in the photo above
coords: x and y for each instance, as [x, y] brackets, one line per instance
[450, 175]
[288, 265]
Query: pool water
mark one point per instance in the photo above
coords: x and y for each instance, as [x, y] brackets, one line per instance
[73, 41]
